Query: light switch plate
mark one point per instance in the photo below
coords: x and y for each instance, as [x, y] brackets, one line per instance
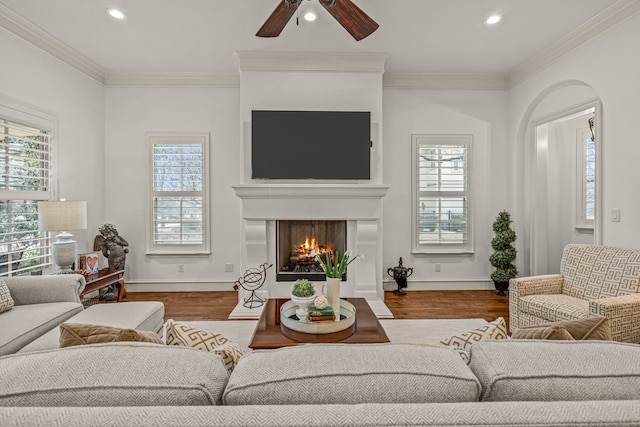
[615, 215]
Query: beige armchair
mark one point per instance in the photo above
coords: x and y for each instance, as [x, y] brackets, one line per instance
[594, 280]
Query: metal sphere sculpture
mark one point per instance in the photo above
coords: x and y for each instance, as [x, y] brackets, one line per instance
[251, 281]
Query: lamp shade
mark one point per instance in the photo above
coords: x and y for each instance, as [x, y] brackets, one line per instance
[62, 215]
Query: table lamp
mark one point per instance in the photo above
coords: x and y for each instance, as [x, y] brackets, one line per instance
[63, 216]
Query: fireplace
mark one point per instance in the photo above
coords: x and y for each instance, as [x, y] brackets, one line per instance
[298, 242]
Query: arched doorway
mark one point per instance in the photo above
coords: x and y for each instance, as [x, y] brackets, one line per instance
[561, 191]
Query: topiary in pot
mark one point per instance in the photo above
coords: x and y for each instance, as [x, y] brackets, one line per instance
[303, 294]
[303, 288]
[504, 253]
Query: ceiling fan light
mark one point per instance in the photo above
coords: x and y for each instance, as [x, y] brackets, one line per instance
[310, 16]
[116, 13]
[493, 19]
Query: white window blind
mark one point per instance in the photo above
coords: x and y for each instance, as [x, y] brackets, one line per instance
[441, 197]
[25, 163]
[178, 205]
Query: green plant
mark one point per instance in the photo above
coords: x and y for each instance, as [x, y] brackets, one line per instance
[303, 288]
[337, 269]
[504, 253]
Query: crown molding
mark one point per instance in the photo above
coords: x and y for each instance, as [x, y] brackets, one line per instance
[26, 30]
[178, 78]
[312, 61]
[614, 15]
[609, 18]
[432, 81]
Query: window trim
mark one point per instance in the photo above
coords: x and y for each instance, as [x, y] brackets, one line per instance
[418, 140]
[183, 138]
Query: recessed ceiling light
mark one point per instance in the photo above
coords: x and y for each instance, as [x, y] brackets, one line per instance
[493, 19]
[116, 13]
[310, 16]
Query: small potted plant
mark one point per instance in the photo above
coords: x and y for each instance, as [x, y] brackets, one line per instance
[504, 253]
[303, 295]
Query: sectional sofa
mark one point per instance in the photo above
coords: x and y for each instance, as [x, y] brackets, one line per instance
[42, 303]
[503, 382]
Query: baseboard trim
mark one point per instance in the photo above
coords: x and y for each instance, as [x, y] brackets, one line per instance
[388, 285]
[185, 286]
[442, 285]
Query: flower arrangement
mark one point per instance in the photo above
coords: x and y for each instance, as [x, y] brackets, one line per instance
[303, 289]
[336, 270]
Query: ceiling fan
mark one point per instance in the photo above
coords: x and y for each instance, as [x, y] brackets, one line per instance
[350, 16]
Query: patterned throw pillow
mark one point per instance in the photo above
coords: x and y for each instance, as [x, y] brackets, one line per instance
[72, 334]
[181, 334]
[590, 328]
[554, 333]
[495, 330]
[6, 302]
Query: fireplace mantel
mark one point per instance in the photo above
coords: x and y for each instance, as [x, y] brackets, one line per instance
[359, 204]
[311, 201]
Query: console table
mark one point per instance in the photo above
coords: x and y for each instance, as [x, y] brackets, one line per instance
[103, 279]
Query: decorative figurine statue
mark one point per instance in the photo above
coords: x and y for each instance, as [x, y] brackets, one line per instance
[400, 274]
[112, 246]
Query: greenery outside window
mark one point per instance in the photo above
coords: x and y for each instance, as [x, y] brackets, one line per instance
[179, 187]
[441, 197]
[25, 165]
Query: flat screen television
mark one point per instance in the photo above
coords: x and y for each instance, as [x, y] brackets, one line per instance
[310, 145]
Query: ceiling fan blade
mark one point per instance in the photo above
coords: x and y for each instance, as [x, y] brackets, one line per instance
[351, 17]
[278, 19]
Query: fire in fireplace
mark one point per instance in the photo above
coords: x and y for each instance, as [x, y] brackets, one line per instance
[298, 242]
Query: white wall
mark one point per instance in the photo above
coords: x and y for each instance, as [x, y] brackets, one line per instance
[479, 113]
[29, 77]
[102, 154]
[130, 113]
[609, 65]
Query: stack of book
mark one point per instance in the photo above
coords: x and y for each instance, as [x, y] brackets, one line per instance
[319, 315]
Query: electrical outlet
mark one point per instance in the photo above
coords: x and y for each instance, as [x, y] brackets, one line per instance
[228, 268]
[180, 268]
[438, 268]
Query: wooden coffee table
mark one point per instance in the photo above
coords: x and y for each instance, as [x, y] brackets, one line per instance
[268, 333]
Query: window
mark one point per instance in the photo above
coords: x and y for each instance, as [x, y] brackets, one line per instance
[25, 164]
[441, 214]
[586, 152]
[179, 211]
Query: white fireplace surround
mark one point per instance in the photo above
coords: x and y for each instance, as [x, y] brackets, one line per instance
[359, 204]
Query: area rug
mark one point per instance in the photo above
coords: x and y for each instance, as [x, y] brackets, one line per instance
[422, 331]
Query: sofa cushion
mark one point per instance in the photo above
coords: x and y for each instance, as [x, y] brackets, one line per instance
[532, 370]
[113, 374]
[590, 328]
[470, 414]
[80, 334]
[24, 323]
[351, 374]
[6, 302]
[143, 316]
[554, 308]
[181, 334]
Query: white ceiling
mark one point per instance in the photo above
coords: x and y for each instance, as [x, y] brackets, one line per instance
[421, 36]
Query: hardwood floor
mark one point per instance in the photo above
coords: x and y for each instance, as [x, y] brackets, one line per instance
[415, 305]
